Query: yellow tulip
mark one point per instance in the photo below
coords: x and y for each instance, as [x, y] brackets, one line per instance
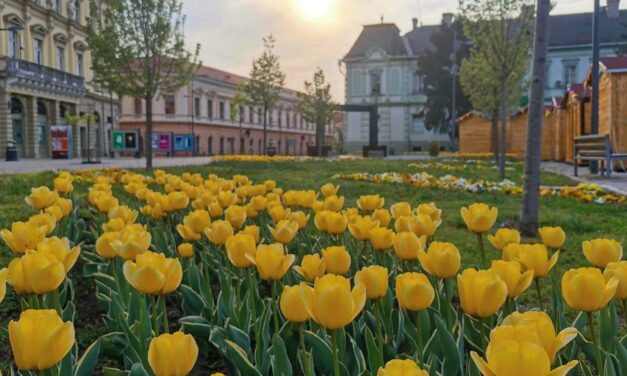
[292, 305]
[352, 214]
[552, 237]
[600, 252]
[4, 274]
[360, 227]
[406, 223]
[400, 209]
[238, 246]
[23, 236]
[284, 231]
[114, 225]
[63, 185]
[236, 215]
[105, 202]
[250, 211]
[259, 203]
[479, 217]
[65, 204]
[278, 212]
[272, 261]
[331, 222]
[333, 203]
[331, 303]
[584, 289]
[153, 273]
[370, 202]
[617, 270]
[172, 354]
[40, 339]
[252, 230]
[316, 206]
[289, 198]
[431, 210]
[270, 184]
[126, 214]
[481, 293]
[397, 367]
[197, 221]
[518, 358]
[54, 212]
[299, 217]
[407, 245]
[442, 259]
[185, 250]
[537, 259]
[178, 200]
[132, 241]
[424, 225]
[336, 259]
[375, 278]
[510, 273]
[541, 325]
[60, 249]
[306, 199]
[503, 237]
[382, 216]
[227, 198]
[45, 221]
[311, 267]
[382, 238]
[219, 232]
[41, 197]
[104, 246]
[36, 273]
[215, 209]
[512, 250]
[414, 291]
[329, 189]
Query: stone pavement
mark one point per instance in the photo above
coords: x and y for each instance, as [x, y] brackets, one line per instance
[38, 165]
[617, 183]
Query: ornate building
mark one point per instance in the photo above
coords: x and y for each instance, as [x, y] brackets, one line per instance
[45, 75]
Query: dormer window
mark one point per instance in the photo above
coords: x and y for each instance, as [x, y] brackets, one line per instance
[375, 82]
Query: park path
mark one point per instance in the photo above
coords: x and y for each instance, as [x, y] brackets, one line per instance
[617, 183]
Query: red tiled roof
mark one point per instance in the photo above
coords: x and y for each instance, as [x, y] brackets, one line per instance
[616, 63]
[228, 77]
[578, 90]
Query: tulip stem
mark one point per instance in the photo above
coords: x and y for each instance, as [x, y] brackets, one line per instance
[421, 346]
[155, 317]
[166, 325]
[275, 312]
[301, 336]
[55, 301]
[336, 359]
[597, 348]
[481, 250]
[449, 304]
[539, 292]
[377, 312]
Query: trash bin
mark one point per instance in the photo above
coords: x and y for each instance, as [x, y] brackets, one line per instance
[11, 151]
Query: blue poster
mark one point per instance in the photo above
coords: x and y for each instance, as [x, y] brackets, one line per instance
[183, 142]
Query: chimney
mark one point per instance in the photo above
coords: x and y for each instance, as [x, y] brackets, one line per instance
[414, 22]
[447, 19]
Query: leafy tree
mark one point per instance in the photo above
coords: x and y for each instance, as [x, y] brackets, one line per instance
[236, 111]
[316, 105]
[436, 66]
[266, 81]
[500, 33]
[138, 50]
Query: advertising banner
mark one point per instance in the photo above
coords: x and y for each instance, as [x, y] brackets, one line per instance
[125, 140]
[183, 142]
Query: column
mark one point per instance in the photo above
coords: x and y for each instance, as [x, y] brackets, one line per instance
[27, 42]
[50, 59]
[6, 130]
[29, 122]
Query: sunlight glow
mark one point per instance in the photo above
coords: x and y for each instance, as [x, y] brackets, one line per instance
[314, 9]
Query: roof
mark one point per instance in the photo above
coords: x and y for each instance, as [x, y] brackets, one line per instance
[385, 36]
[614, 64]
[420, 38]
[228, 77]
[576, 29]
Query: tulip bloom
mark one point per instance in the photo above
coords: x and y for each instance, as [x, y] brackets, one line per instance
[311, 267]
[219, 232]
[617, 270]
[375, 278]
[104, 246]
[552, 237]
[329, 189]
[481, 293]
[236, 215]
[36, 273]
[397, 367]
[105, 202]
[331, 303]
[584, 289]
[382, 216]
[132, 241]
[518, 358]
[299, 217]
[479, 217]
[60, 248]
[333, 203]
[41, 197]
[336, 259]
[414, 291]
[406, 223]
[292, 305]
[503, 237]
[153, 273]
[185, 250]
[278, 213]
[430, 209]
[370, 202]
[197, 221]
[45, 221]
[4, 273]
[423, 224]
[600, 252]
[258, 203]
[536, 258]
[40, 339]
[360, 227]
[382, 238]
[407, 245]
[442, 259]
[252, 230]
[510, 273]
[331, 222]
[271, 261]
[63, 185]
[128, 215]
[284, 231]
[400, 209]
[172, 354]
[23, 236]
[238, 246]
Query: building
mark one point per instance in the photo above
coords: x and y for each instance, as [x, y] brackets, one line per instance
[381, 68]
[45, 75]
[203, 108]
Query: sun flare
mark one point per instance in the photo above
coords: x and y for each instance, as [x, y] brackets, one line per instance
[314, 9]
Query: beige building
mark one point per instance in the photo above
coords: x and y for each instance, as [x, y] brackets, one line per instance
[44, 75]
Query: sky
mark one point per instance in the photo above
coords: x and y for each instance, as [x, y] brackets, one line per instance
[308, 33]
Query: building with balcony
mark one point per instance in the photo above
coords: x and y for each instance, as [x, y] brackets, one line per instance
[45, 76]
[203, 108]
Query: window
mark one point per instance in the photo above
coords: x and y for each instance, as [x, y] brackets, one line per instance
[138, 106]
[259, 116]
[375, 82]
[170, 105]
[271, 118]
[287, 120]
[251, 115]
[356, 82]
[57, 6]
[77, 11]
[294, 119]
[221, 110]
[393, 80]
[301, 122]
[14, 44]
[418, 83]
[39, 51]
[79, 65]
[241, 114]
[60, 58]
[570, 71]
[196, 106]
[210, 109]
[280, 116]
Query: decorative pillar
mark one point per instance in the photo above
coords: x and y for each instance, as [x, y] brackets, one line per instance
[29, 124]
[6, 130]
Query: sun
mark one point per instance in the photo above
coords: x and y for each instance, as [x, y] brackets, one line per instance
[314, 9]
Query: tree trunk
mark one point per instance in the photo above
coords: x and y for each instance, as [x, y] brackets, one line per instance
[503, 145]
[265, 126]
[531, 196]
[495, 135]
[148, 133]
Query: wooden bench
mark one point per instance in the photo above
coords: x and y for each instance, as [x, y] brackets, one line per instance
[596, 148]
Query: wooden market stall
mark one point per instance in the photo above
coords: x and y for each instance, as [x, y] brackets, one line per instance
[576, 107]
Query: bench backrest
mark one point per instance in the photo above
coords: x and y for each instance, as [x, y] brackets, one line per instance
[593, 144]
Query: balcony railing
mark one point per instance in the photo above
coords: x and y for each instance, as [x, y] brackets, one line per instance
[27, 74]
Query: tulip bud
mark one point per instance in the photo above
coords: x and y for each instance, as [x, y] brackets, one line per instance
[219, 232]
[479, 217]
[400, 209]
[60, 249]
[278, 212]
[63, 185]
[186, 250]
[329, 189]
[172, 354]
[236, 215]
[36, 273]
[333, 203]
[552, 237]
[414, 291]
[600, 252]
[382, 238]
[153, 273]
[442, 259]
[47, 222]
[382, 216]
[423, 225]
[431, 210]
[481, 293]
[238, 246]
[103, 245]
[132, 241]
[397, 367]
[336, 259]
[292, 305]
[584, 289]
[299, 217]
[407, 245]
[252, 230]
[311, 267]
[4, 273]
[23, 236]
[375, 278]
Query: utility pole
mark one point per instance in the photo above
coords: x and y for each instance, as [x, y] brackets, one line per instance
[594, 121]
[193, 118]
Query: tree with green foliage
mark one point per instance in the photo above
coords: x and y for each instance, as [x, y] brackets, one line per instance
[266, 82]
[138, 49]
[500, 35]
[236, 111]
[316, 105]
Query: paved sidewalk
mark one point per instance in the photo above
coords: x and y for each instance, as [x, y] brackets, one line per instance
[617, 183]
[38, 165]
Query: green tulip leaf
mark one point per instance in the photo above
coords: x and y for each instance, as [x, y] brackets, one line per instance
[375, 358]
[197, 326]
[193, 302]
[138, 370]
[281, 364]
[237, 356]
[87, 363]
[452, 357]
[322, 355]
[621, 356]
